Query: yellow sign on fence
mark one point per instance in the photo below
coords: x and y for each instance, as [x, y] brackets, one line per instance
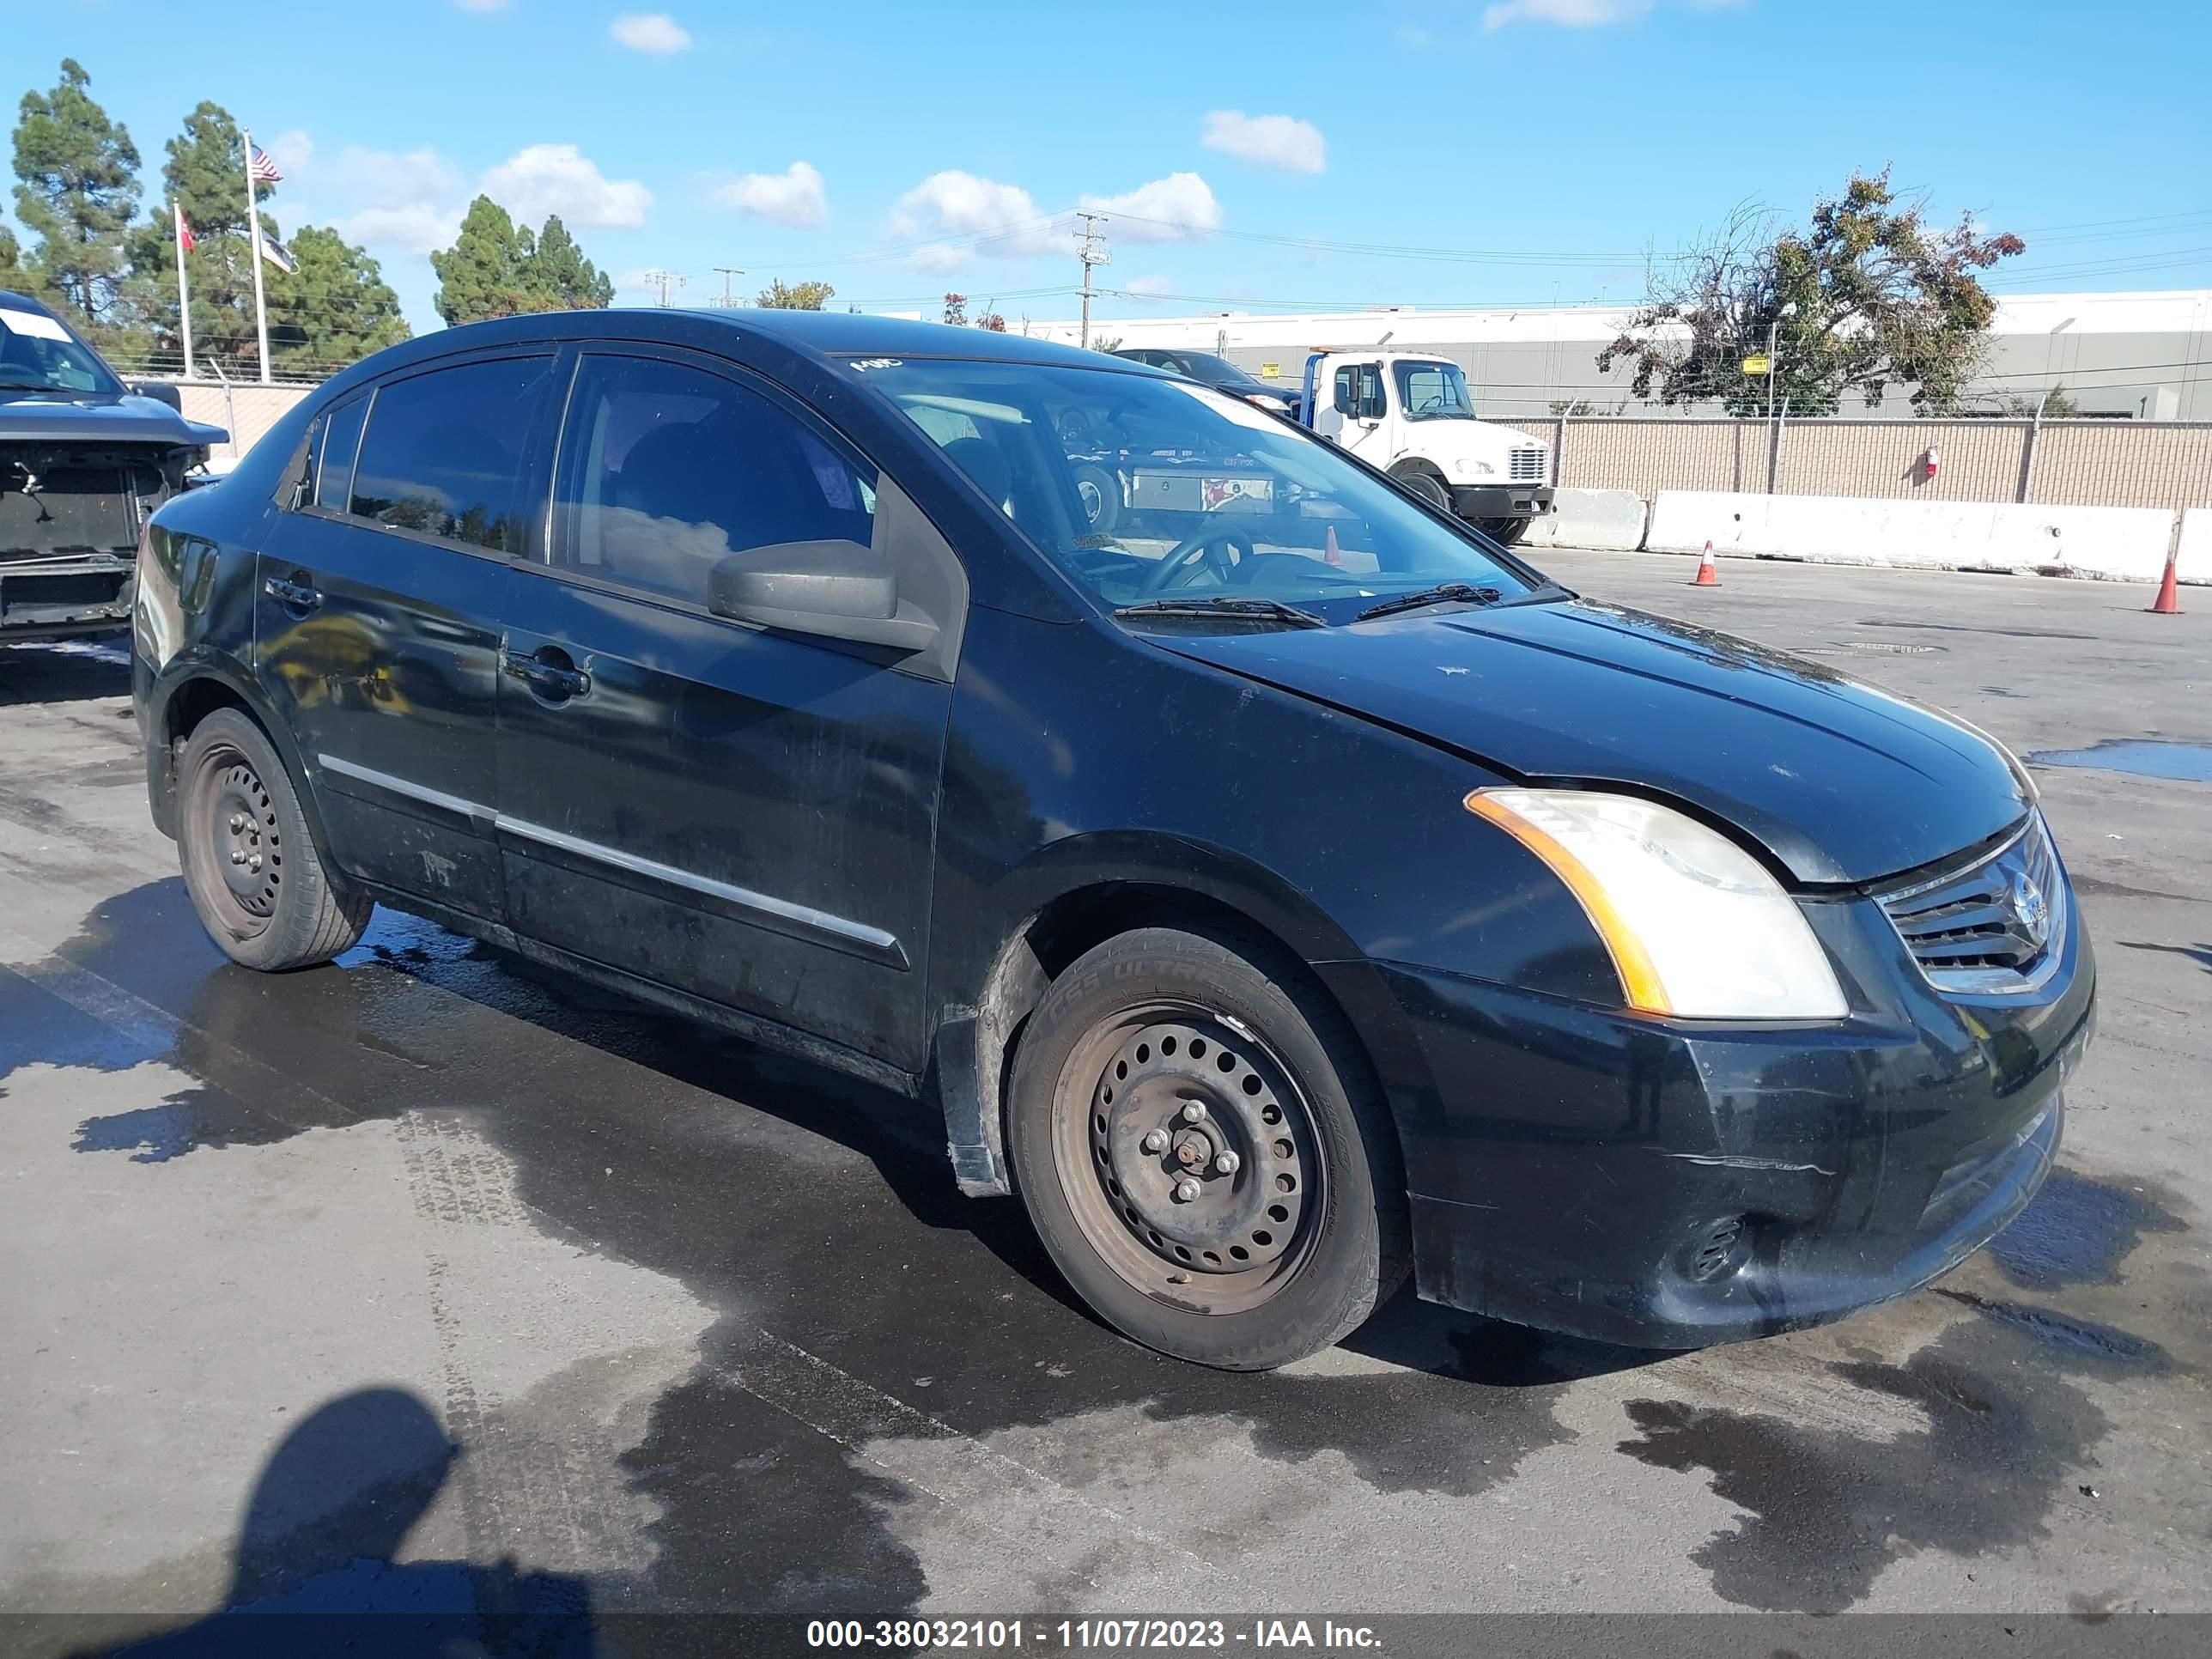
[1757, 365]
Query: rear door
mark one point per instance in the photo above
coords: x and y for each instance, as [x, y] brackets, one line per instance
[377, 617]
[743, 814]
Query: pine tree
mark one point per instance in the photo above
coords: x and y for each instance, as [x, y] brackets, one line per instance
[334, 310]
[78, 193]
[497, 268]
[206, 175]
[561, 275]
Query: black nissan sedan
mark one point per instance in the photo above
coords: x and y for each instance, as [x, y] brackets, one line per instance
[1291, 892]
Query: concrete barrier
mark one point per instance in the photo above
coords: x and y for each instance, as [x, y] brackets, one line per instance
[2126, 542]
[1609, 519]
[2193, 562]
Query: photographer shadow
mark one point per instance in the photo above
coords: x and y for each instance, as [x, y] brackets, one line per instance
[316, 1572]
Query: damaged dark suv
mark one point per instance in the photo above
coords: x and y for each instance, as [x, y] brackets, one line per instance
[85, 458]
[1285, 890]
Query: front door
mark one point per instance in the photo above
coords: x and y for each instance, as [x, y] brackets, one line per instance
[376, 619]
[743, 814]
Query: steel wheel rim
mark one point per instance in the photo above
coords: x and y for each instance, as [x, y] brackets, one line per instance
[1092, 497]
[1124, 1140]
[238, 854]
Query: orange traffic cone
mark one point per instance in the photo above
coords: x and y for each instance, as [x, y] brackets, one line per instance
[1331, 554]
[2168, 602]
[1708, 575]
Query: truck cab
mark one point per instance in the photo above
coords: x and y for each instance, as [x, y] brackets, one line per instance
[1413, 417]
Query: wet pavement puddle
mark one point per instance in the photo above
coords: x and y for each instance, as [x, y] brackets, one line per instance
[2145, 757]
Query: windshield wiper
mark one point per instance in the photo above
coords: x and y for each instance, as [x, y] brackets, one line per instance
[1263, 609]
[1445, 593]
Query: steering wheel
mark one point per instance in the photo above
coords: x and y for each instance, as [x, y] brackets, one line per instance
[1209, 549]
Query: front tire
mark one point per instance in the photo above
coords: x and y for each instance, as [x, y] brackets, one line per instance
[1425, 484]
[1504, 531]
[1205, 1154]
[1101, 498]
[254, 873]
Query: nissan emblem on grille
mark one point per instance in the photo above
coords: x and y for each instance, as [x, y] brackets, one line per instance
[1990, 927]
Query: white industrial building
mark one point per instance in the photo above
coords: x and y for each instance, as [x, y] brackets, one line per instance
[2141, 356]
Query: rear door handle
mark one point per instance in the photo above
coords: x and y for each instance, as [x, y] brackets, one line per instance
[294, 596]
[553, 680]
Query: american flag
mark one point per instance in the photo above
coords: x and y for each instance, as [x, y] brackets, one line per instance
[260, 169]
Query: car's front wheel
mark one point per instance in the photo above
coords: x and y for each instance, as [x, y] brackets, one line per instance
[1504, 531]
[1205, 1154]
[249, 863]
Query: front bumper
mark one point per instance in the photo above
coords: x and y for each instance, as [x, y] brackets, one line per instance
[1501, 501]
[58, 598]
[1673, 1183]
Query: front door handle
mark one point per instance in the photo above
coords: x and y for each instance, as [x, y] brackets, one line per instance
[292, 595]
[554, 680]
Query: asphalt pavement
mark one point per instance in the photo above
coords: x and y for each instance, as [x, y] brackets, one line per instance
[430, 1269]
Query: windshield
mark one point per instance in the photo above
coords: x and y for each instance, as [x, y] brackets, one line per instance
[1434, 392]
[37, 353]
[1205, 367]
[1145, 490]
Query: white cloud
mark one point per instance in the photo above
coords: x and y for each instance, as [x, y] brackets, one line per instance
[649, 30]
[410, 227]
[792, 197]
[1278, 141]
[294, 152]
[1144, 288]
[988, 216]
[1176, 209]
[560, 179]
[1567, 14]
[387, 178]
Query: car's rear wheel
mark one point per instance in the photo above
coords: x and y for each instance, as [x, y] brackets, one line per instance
[249, 863]
[1204, 1153]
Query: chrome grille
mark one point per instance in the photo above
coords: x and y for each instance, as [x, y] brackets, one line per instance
[1527, 466]
[1995, 926]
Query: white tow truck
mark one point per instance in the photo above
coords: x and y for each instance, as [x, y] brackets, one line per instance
[1412, 417]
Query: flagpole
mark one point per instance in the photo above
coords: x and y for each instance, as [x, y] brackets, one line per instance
[184, 288]
[253, 231]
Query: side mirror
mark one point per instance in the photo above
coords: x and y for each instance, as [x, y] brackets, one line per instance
[835, 590]
[162, 391]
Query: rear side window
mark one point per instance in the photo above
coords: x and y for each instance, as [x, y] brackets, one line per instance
[665, 469]
[336, 442]
[444, 451]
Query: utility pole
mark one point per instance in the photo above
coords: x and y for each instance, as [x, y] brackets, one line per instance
[662, 279]
[1093, 252]
[729, 271]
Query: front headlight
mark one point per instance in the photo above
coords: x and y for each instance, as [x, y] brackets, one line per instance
[1696, 927]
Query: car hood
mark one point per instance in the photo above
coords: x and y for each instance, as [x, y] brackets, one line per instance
[1841, 782]
[97, 418]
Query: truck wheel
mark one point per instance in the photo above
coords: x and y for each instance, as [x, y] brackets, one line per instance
[1205, 1153]
[1101, 497]
[1425, 484]
[256, 879]
[1504, 531]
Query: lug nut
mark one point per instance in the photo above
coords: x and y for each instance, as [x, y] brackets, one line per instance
[237, 822]
[238, 855]
[1194, 1112]
[1156, 1141]
[1227, 1163]
[1186, 1191]
[254, 862]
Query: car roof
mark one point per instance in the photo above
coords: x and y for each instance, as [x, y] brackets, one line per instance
[12, 301]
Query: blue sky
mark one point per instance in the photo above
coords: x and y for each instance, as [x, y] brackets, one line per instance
[1277, 155]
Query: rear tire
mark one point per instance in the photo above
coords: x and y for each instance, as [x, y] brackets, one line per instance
[1504, 531]
[1245, 1267]
[254, 873]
